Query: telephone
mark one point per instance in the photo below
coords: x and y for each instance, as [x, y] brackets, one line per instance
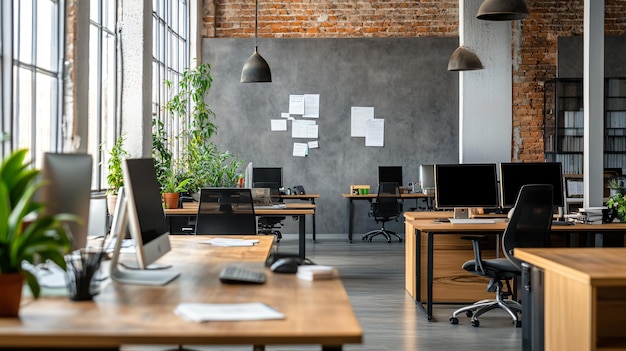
[299, 190]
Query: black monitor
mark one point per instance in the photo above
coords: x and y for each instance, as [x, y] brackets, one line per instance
[513, 175]
[139, 208]
[67, 189]
[390, 174]
[267, 175]
[224, 211]
[466, 185]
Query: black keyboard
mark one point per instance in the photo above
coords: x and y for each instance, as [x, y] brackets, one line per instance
[238, 275]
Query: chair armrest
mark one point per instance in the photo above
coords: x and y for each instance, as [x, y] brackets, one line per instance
[478, 257]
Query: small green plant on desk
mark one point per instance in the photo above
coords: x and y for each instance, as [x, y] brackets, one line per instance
[22, 239]
[617, 204]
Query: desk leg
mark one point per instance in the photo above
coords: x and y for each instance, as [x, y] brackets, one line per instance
[258, 348]
[302, 237]
[418, 266]
[350, 215]
[429, 288]
[313, 203]
[331, 348]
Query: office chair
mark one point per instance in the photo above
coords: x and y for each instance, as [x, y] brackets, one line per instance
[224, 211]
[384, 208]
[270, 225]
[529, 226]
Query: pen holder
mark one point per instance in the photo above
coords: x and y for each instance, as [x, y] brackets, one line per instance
[82, 265]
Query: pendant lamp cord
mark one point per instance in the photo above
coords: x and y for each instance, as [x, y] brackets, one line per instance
[256, 21]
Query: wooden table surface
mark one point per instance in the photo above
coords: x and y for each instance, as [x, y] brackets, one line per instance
[291, 209]
[317, 312]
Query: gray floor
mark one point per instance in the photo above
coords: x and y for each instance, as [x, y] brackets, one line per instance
[373, 275]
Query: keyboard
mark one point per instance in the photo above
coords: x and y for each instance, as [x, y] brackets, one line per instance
[472, 221]
[238, 275]
[270, 207]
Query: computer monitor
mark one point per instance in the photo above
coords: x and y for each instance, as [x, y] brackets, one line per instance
[427, 178]
[67, 189]
[466, 185]
[515, 174]
[140, 210]
[268, 175]
[390, 174]
[225, 211]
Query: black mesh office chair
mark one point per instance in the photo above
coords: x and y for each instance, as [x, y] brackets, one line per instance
[529, 226]
[225, 211]
[270, 225]
[386, 207]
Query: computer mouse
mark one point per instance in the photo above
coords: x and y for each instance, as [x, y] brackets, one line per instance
[285, 265]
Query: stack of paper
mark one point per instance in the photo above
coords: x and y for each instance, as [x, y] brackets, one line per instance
[316, 272]
[203, 312]
[590, 215]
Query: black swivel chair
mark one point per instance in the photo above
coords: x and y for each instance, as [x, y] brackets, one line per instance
[225, 211]
[529, 226]
[386, 207]
[270, 225]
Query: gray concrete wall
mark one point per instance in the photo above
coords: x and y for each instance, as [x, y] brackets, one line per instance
[404, 79]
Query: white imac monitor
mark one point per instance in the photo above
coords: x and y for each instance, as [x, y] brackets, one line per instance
[247, 176]
[427, 179]
[139, 209]
[67, 189]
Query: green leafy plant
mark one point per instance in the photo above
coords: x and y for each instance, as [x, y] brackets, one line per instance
[617, 203]
[39, 240]
[172, 182]
[115, 176]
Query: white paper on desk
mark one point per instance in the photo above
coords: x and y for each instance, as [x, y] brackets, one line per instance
[303, 129]
[375, 132]
[300, 149]
[296, 104]
[279, 125]
[230, 242]
[311, 106]
[358, 117]
[204, 312]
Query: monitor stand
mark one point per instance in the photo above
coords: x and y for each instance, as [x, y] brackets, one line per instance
[129, 276]
[461, 212]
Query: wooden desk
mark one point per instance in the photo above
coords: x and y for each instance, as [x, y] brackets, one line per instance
[316, 312]
[291, 209]
[584, 296]
[454, 284]
[370, 197]
[304, 197]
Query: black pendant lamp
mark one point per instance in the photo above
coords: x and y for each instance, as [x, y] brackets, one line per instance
[503, 10]
[464, 59]
[256, 69]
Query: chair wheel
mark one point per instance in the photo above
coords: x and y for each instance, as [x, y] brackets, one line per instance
[389, 241]
[364, 238]
[400, 240]
[469, 313]
[454, 320]
[370, 240]
[518, 324]
[475, 323]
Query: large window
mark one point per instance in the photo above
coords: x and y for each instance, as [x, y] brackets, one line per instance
[170, 57]
[103, 85]
[32, 75]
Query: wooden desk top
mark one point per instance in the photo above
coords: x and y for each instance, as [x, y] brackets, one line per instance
[373, 196]
[592, 266]
[427, 225]
[291, 209]
[317, 312]
[414, 215]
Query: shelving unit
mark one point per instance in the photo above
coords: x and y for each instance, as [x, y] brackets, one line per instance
[564, 124]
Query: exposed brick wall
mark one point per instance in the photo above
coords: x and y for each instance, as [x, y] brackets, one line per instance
[534, 39]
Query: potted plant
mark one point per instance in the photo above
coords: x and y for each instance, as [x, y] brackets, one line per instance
[115, 175]
[617, 204]
[172, 187]
[38, 240]
[617, 185]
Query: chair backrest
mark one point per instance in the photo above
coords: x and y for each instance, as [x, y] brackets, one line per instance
[387, 201]
[225, 211]
[530, 222]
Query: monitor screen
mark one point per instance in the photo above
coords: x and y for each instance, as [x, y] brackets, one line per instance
[67, 189]
[224, 211]
[466, 185]
[146, 219]
[514, 175]
[268, 175]
[390, 174]
[427, 177]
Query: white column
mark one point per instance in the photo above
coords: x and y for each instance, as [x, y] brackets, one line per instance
[485, 96]
[593, 95]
